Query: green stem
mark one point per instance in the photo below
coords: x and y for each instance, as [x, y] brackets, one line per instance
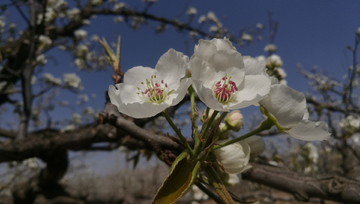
[203, 133]
[220, 188]
[266, 125]
[209, 193]
[177, 131]
[193, 113]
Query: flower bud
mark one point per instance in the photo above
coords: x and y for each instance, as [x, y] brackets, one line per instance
[234, 158]
[224, 131]
[234, 120]
[257, 146]
[229, 179]
[211, 111]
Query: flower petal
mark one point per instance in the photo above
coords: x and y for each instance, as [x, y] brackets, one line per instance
[310, 131]
[204, 50]
[234, 157]
[171, 67]
[254, 88]
[253, 66]
[286, 104]
[133, 77]
[206, 96]
[179, 94]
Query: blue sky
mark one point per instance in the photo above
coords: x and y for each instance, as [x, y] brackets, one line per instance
[309, 32]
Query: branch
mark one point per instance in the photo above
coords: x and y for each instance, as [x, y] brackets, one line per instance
[304, 187]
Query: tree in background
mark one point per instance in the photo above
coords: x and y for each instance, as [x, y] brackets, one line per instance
[33, 99]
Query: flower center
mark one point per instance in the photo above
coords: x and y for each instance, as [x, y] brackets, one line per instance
[154, 92]
[224, 90]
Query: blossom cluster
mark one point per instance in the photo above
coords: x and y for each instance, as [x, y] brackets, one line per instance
[224, 80]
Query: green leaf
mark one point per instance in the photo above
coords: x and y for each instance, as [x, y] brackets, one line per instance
[182, 175]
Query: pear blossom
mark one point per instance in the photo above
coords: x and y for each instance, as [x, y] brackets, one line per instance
[235, 157]
[146, 91]
[199, 194]
[202, 19]
[270, 48]
[274, 61]
[41, 59]
[76, 118]
[234, 120]
[312, 152]
[72, 80]
[246, 37]
[288, 107]
[80, 34]
[223, 79]
[50, 79]
[260, 25]
[257, 146]
[44, 41]
[191, 11]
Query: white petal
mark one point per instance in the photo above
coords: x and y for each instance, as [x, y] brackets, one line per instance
[179, 94]
[254, 88]
[144, 110]
[223, 44]
[310, 131]
[171, 67]
[205, 49]
[136, 75]
[234, 157]
[237, 170]
[206, 96]
[200, 70]
[286, 104]
[228, 62]
[253, 66]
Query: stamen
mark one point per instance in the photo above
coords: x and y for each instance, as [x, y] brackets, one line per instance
[225, 92]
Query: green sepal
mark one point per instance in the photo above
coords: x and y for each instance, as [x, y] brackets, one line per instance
[182, 175]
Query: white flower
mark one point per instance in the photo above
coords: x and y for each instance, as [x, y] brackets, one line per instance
[72, 80]
[50, 79]
[234, 158]
[234, 120]
[202, 19]
[232, 179]
[288, 107]
[270, 48]
[257, 146]
[67, 128]
[246, 37]
[76, 118]
[260, 25]
[274, 61]
[198, 194]
[80, 34]
[118, 19]
[191, 11]
[223, 79]
[85, 22]
[119, 6]
[146, 91]
[312, 152]
[89, 111]
[281, 72]
[71, 14]
[97, 2]
[41, 59]
[45, 40]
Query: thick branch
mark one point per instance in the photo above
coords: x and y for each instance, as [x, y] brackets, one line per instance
[304, 187]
